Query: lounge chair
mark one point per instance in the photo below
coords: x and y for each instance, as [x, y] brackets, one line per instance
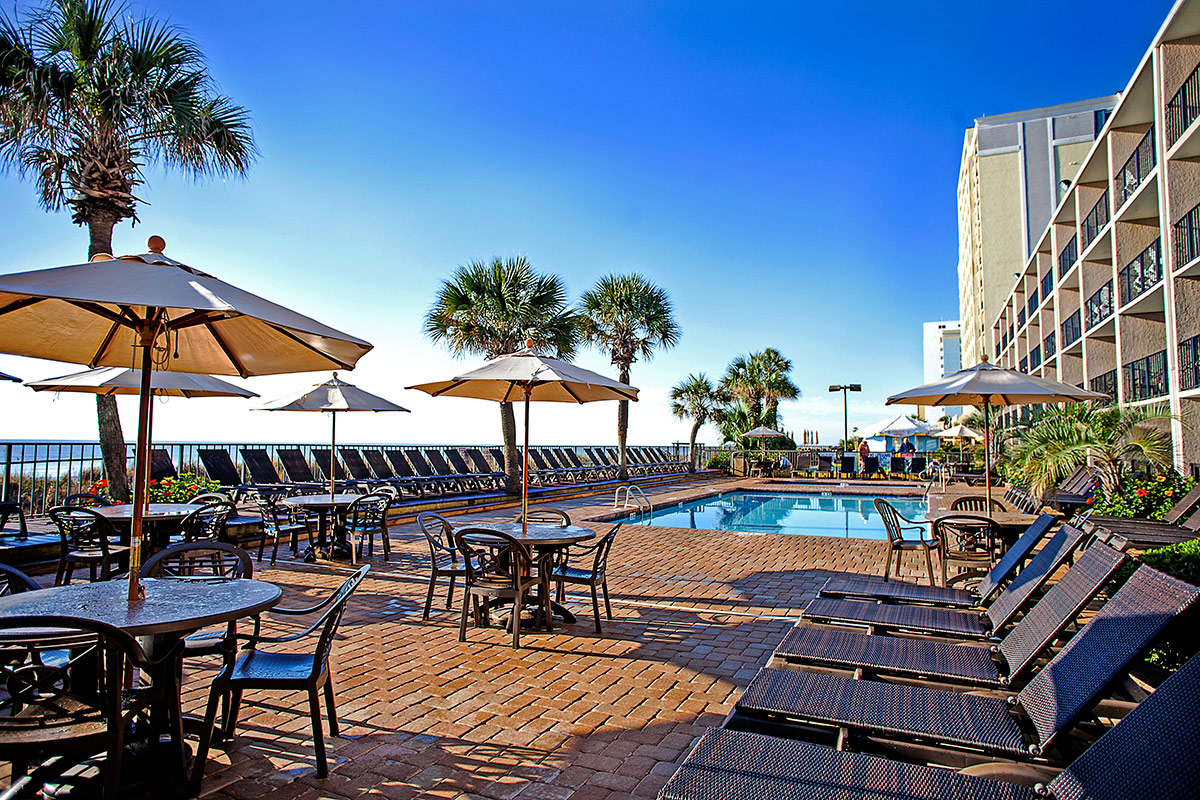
[296, 466]
[902, 592]
[548, 467]
[220, 468]
[599, 458]
[482, 481]
[916, 466]
[1142, 756]
[405, 472]
[1147, 533]
[590, 474]
[483, 467]
[846, 466]
[871, 467]
[825, 466]
[322, 456]
[464, 480]
[161, 465]
[953, 622]
[951, 661]
[447, 483]
[933, 721]
[262, 471]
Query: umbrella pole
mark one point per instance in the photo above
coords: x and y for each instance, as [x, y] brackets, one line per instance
[987, 453]
[525, 469]
[141, 456]
[332, 454]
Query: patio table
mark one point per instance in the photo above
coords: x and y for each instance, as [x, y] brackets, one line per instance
[172, 609]
[546, 539]
[156, 515]
[326, 508]
[1010, 524]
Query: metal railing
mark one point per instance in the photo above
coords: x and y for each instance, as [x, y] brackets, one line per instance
[1183, 108]
[1095, 221]
[1049, 345]
[1106, 384]
[1071, 329]
[1189, 363]
[1021, 317]
[1141, 274]
[1047, 284]
[1135, 170]
[1099, 306]
[1025, 364]
[1035, 357]
[1033, 302]
[1068, 256]
[1187, 238]
[1146, 377]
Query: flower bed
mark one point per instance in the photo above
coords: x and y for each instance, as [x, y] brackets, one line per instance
[1144, 497]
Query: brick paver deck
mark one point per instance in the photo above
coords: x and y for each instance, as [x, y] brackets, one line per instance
[572, 714]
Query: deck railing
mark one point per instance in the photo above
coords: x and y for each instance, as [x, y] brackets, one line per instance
[1071, 329]
[1032, 305]
[1095, 221]
[1035, 357]
[1189, 363]
[1099, 306]
[1146, 377]
[1136, 168]
[1184, 107]
[1047, 284]
[1141, 274]
[1068, 256]
[1049, 346]
[1187, 238]
[1106, 384]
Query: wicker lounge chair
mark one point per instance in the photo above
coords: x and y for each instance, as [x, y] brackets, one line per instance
[161, 465]
[902, 592]
[1150, 533]
[953, 622]
[930, 721]
[950, 661]
[1140, 757]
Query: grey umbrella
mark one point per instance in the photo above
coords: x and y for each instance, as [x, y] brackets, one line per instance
[762, 433]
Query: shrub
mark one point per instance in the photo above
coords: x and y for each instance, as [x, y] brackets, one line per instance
[181, 489]
[718, 461]
[1145, 497]
[1182, 561]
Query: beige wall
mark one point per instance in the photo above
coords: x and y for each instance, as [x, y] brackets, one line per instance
[1002, 239]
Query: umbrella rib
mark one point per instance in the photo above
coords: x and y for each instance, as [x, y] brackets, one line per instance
[126, 319]
[301, 342]
[17, 305]
[200, 318]
[237, 365]
[108, 337]
[567, 389]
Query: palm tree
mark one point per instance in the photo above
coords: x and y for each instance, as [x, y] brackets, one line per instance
[627, 317]
[742, 381]
[694, 398]
[493, 308]
[773, 370]
[89, 96]
[1075, 434]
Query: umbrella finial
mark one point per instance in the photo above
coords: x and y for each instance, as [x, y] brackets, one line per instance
[156, 244]
[529, 344]
[985, 358]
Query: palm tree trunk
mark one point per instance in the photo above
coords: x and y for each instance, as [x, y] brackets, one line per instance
[112, 438]
[623, 426]
[512, 462]
[692, 445]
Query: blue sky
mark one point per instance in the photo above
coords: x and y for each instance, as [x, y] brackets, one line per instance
[786, 170]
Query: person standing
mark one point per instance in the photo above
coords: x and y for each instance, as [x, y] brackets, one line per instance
[863, 451]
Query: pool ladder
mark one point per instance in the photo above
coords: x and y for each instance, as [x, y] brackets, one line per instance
[634, 498]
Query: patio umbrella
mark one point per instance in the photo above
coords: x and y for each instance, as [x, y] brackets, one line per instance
[154, 313]
[334, 396]
[985, 385]
[959, 432]
[6, 377]
[115, 380]
[525, 375]
[762, 433]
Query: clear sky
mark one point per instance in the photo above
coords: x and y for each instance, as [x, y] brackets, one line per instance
[786, 170]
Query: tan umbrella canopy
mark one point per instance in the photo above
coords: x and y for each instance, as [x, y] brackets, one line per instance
[334, 395]
[959, 432]
[987, 385]
[525, 375]
[763, 433]
[154, 313]
[115, 380]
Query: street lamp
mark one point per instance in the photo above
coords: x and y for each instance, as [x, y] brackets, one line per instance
[849, 387]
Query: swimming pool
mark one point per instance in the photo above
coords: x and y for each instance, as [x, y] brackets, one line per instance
[851, 516]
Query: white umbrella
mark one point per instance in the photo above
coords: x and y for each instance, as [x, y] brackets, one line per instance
[118, 312]
[959, 432]
[334, 396]
[762, 433]
[525, 375]
[987, 385]
[898, 426]
[116, 380]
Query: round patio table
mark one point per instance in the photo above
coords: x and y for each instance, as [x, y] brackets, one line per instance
[156, 514]
[546, 539]
[171, 609]
[326, 508]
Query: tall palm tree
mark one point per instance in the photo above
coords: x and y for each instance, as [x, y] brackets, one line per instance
[774, 370]
[1075, 434]
[694, 398]
[627, 317]
[493, 308]
[742, 381]
[89, 96]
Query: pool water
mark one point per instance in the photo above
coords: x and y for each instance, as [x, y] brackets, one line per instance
[842, 515]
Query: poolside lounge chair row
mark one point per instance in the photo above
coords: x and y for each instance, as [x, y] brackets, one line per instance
[825, 466]
[911, 705]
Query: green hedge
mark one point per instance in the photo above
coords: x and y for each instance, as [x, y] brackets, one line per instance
[1182, 561]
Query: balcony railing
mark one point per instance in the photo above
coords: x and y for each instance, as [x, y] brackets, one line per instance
[1142, 274]
[1033, 302]
[1146, 377]
[1050, 345]
[1025, 364]
[1183, 108]
[999, 347]
[1071, 329]
[1096, 219]
[1068, 256]
[1020, 317]
[1187, 238]
[1047, 284]
[1189, 363]
[1106, 384]
[1099, 306]
[1035, 357]
[1136, 168]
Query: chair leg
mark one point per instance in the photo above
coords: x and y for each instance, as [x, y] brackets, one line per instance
[929, 566]
[314, 712]
[596, 606]
[887, 569]
[450, 593]
[387, 546]
[607, 605]
[233, 706]
[206, 735]
[330, 708]
[515, 621]
[60, 575]
[429, 595]
[462, 623]
[275, 549]
[262, 544]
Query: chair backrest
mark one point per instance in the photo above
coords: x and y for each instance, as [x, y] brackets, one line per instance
[210, 497]
[161, 465]
[603, 547]
[825, 463]
[538, 460]
[199, 560]
[379, 464]
[571, 457]
[1052, 556]
[439, 463]
[458, 462]
[219, 466]
[207, 522]
[846, 464]
[321, 457]
[892, 522]
[85, 500]
[271, 510]
[419, 463]
[492, 556]
[547, 516]
[975, 503]
[917, 465]
[81, 528]
[480, 462]
[439, 533]
[1014, 556]
[1144, 755]
[295, 465]
[1185, 504]
[369, 511]
[1055, 610]
[354, 462]
[871, 464]
[400, 464]
[1128, 623]
[963, 535]
[13, 581]
[497, 455]
[262, 471]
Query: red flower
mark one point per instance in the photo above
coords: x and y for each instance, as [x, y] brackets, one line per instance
[104, 484]
[1089, 501]
[1141, 492]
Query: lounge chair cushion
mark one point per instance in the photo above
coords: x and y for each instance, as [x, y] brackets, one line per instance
[914, 618]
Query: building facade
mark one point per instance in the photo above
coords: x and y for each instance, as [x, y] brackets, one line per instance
[1013, 174]
[942, 356]
[1109, 297]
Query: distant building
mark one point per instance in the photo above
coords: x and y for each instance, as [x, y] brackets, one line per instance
[943, 355]
[1014, 172]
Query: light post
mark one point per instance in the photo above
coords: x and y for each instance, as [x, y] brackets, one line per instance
[849, 387]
